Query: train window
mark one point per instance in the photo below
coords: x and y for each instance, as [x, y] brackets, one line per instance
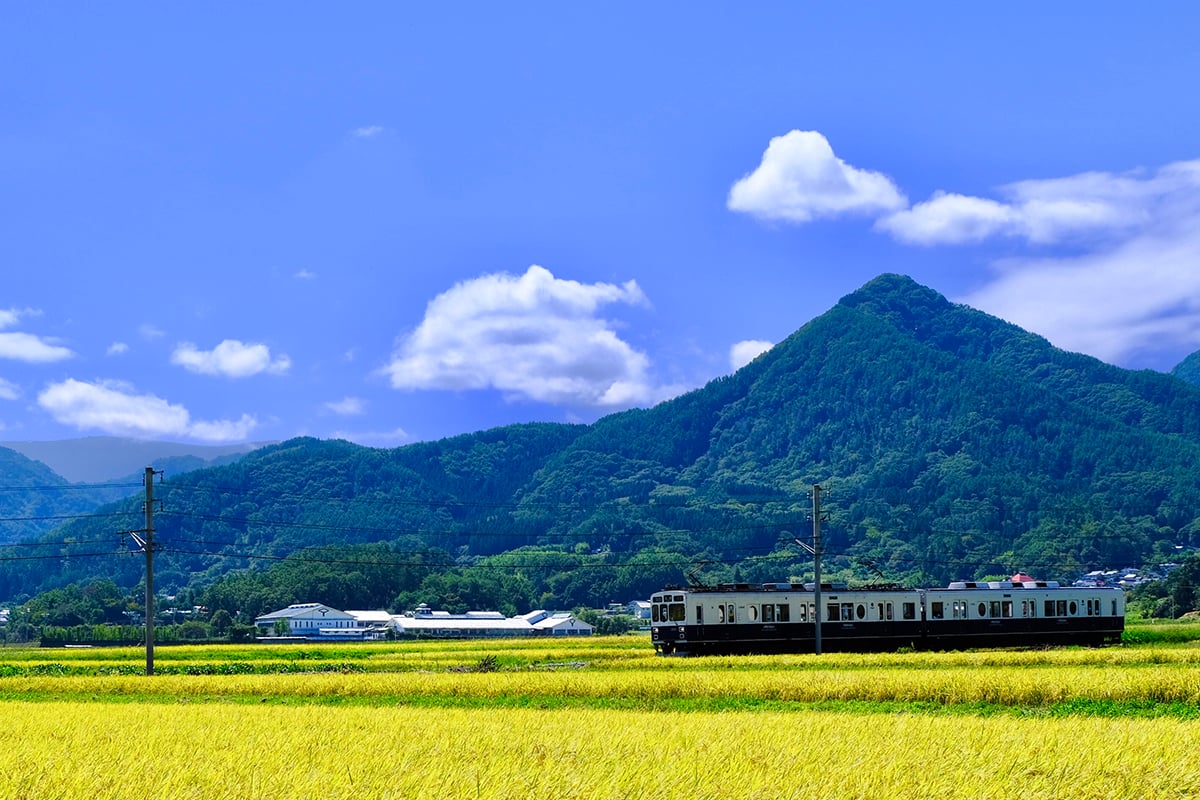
[732, 615]
[1006, 608]
[847, 611]
[783, 612]
[1074, 608]
[1114, 608]
[860, 611]
[887, 611]
[678, 612]
[834, 613]
[753, 611]
[1062, 608]
[804, 612]
[768, 612]
[1049, 608]
[721, 613]
[936, 611]
[1089, 607]
[995, 608]
[983, 609]
[909, 610]
[654, 613]
[699, 614]
[812, 613]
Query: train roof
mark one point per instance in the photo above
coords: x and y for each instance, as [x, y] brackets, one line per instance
[879, 587]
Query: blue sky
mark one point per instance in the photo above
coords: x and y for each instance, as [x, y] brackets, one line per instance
[396, 222]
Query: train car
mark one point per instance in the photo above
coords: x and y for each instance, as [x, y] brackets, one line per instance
[782, 617]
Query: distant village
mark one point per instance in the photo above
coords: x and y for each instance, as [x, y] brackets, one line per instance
[1126, 578]
[316, 621]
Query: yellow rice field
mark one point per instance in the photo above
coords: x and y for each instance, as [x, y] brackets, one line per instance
[97, 750]
[1030, 686]
[598, 719]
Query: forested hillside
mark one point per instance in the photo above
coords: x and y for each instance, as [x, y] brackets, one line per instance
[952, 445]
[35, 499]
[1189, 369]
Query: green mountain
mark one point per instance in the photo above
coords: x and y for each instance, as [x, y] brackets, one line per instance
[35, 499]
[1189, 369]
[951, 444]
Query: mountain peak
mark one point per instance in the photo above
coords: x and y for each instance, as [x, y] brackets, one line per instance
[898, 298]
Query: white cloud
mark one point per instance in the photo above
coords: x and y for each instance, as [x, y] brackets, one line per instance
[10, 317]
[1129, 287]
[32, 349]
[150, 332]
[742, 353]
[224, 430]
[117, 349]
[20, 346]
[949, 219]
[230, 358]
[1141, 296]
[533, 336]
[367, 132]
[9, 390]
[800, 178]
[304, 275]
[1079, 208]
[347, 406]
[114, 408]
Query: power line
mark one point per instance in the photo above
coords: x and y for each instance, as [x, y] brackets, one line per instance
[50, 517]
[67, 487]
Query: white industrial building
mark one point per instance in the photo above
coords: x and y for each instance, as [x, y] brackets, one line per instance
[317, 621]
[306, 619]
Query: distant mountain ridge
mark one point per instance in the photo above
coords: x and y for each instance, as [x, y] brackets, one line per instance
[952, 445]
[95, 459]
[1189, 369]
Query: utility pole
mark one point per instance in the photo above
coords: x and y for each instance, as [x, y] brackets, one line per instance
[816, 515]
[815, 549]
[148, 546]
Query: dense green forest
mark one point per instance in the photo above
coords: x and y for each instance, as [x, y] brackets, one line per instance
[952, 445]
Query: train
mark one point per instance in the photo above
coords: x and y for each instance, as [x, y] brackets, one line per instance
[730, 619]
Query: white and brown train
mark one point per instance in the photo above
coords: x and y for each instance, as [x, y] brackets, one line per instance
[782, 617]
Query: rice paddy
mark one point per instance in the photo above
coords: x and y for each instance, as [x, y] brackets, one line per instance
[599, 718]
